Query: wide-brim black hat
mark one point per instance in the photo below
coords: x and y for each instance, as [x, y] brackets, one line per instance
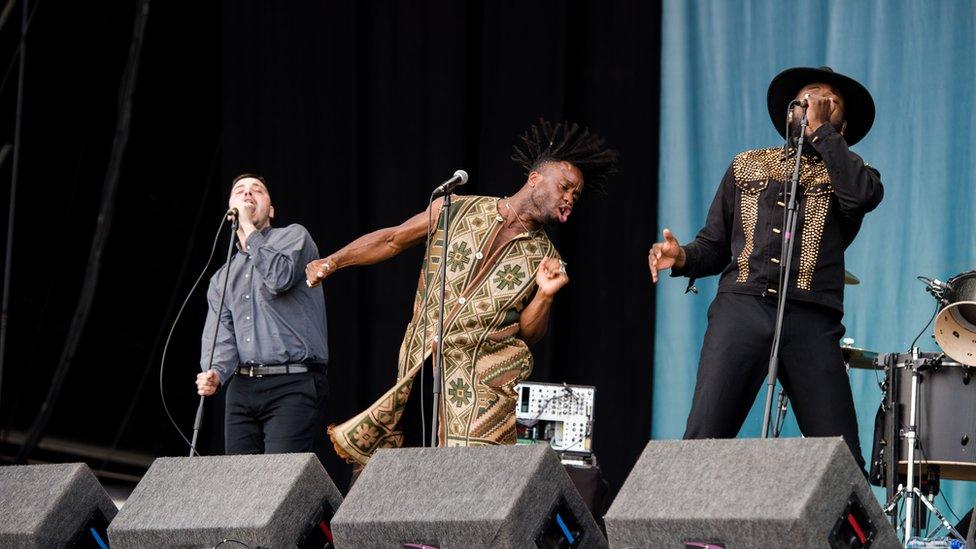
[858, 104]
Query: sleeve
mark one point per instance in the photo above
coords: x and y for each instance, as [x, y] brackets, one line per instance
[857, 186]
[225, 358]
[279, 264]
[711, 251]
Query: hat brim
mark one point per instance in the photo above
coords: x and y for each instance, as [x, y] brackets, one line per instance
[858, 103]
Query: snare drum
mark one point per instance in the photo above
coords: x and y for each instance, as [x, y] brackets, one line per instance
[946, 419]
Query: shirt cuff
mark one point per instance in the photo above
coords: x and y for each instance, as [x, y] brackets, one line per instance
[683, 271]
[823, 134]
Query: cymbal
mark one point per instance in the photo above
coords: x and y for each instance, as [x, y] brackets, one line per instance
[849, 278]
[861, 359]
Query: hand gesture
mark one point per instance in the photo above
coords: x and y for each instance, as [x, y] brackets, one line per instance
[665, 255]
[316, 271]
[551, 276]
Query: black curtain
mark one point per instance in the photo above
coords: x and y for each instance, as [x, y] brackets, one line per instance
[353, 111]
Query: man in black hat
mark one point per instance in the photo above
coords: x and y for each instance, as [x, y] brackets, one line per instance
[742, 239]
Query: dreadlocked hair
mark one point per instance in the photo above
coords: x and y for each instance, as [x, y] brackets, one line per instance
[566, 141]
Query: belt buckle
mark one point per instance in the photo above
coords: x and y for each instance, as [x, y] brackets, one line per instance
[250, 372]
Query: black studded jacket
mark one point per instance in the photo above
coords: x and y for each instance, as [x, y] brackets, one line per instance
[742, 236]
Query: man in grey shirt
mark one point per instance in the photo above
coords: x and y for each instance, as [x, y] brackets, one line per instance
[271, 349]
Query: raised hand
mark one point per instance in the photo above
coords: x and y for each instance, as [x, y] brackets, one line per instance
[820, 110]
[665, 255]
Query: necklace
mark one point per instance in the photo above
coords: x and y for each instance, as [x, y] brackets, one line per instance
[508, 204]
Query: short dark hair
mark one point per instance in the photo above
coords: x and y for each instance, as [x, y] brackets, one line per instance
[566, 141]
[251, 176]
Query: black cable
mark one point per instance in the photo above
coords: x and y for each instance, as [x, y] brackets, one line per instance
[423, 312]
[162, 360]
[228, 540]
[184, 265]
[927, 324]
[102, 229]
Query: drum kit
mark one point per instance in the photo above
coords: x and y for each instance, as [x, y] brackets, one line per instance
[926, 426]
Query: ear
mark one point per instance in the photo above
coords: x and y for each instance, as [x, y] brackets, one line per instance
[843, 127]
[534, 178]
[789, 117]
[271, 213]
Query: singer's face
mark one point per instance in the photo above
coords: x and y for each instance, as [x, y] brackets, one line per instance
[249, 194]
[822, 90]
[557, 188]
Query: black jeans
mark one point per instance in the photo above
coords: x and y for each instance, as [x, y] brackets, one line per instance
[735, 360]
[276, 414]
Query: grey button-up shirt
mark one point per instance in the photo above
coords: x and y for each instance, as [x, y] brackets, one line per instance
[270, 316]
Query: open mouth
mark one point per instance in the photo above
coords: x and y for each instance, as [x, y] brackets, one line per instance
[563, 212]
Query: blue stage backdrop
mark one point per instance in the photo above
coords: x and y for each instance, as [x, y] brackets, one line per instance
[917, 59]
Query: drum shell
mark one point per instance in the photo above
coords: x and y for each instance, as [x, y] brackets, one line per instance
[946, 421]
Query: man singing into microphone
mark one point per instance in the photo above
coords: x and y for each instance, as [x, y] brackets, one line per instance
[271, 349]
[742, 240]
[502, 275]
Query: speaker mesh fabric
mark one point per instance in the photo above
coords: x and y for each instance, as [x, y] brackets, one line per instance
[261, 500]
[494, 496]
[740, 492]
[45, 505]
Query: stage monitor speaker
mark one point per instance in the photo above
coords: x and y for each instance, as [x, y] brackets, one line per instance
[52, 506]
[747, 493]
[272, 500]
[460, 497]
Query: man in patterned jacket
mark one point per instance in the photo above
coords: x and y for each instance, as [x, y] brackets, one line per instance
[502, 275]
[742, 240]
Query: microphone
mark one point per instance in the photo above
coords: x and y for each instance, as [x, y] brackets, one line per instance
[935, 287]
[231, 213]
[802, 103]
[447, 187]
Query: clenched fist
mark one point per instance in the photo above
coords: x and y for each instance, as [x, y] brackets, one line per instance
[207, 383]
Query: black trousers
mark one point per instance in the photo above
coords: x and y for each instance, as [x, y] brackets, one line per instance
[735, 361]
[276, 414]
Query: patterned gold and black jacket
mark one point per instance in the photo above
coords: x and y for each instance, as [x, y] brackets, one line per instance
[742, 236]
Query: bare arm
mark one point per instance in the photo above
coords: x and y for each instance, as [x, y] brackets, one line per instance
[375, 246]
[534, 321]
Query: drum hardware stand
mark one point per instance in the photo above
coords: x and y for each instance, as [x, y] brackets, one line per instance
[910, 433]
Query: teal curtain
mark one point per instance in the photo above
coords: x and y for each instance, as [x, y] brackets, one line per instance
[917, 59]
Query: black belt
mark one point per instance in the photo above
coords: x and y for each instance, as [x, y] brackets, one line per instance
[261, 370]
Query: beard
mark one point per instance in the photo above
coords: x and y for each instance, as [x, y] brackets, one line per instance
[546, 219]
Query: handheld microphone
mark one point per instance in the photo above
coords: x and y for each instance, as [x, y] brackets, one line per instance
[231, 213]
[447, 187]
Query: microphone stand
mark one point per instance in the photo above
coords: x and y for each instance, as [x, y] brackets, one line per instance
[438, 361]
[786, 254]
[213, 344]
